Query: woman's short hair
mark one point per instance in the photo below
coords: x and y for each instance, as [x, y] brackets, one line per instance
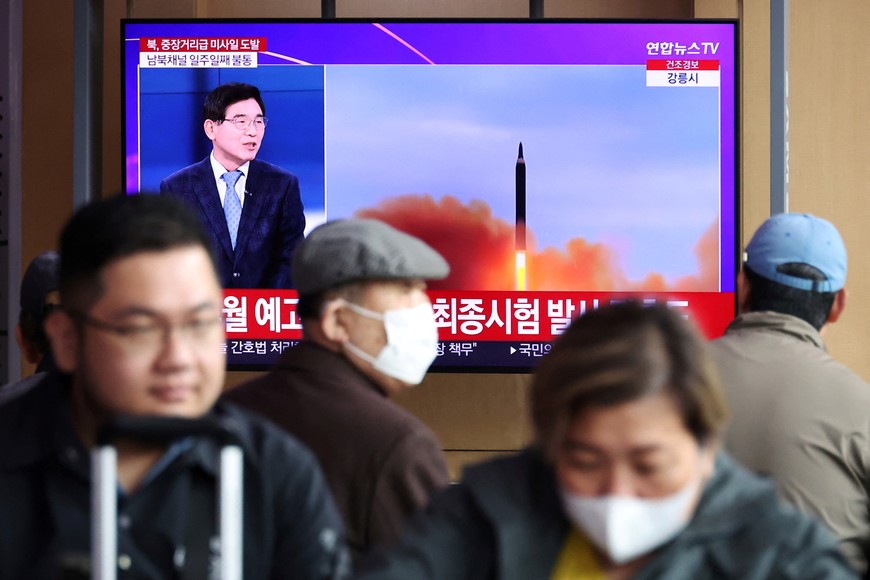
[620, 353]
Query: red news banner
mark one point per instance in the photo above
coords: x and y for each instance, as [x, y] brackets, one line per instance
[478, 315]
[194, 52]
[196, 44]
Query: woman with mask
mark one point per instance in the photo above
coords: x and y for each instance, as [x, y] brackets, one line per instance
[624, 480]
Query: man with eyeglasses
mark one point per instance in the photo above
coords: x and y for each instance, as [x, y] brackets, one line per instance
[251, 209]
[139, 332]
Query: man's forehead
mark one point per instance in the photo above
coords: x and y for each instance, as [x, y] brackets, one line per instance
[243, 107]
[179, 278]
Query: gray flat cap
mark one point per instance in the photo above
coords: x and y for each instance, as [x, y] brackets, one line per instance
[352, 250]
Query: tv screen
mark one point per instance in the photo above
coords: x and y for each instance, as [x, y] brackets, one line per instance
[557, 165]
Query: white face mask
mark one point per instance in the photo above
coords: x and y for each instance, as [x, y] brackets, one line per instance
[625, 528]
[412, 342]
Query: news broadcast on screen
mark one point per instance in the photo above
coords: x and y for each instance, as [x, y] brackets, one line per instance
[557, 165]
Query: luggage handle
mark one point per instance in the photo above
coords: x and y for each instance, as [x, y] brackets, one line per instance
[165, 430]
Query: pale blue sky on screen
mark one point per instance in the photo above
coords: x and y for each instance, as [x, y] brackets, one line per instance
[608, 159]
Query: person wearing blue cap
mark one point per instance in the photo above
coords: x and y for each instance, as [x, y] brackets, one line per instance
[798, 415]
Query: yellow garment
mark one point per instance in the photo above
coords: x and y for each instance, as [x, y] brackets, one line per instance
[577, 560]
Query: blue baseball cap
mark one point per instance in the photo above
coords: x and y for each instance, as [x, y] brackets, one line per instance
[798, 238]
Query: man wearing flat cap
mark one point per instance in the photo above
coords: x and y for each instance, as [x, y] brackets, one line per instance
[798, 415]
[368, 333]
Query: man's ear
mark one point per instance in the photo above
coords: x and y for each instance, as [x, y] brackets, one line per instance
[208, 126]
[332, 322]
[838, 306]
[64, 338]
[28, 349]
[743, 292]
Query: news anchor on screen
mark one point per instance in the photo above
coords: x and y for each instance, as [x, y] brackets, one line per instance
[251, 209]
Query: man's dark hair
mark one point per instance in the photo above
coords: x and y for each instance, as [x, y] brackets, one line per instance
[812, 307]
[217, 101]
[105, 231]
[310, 306]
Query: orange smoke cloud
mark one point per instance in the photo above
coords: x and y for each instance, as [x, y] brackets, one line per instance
[707, 253]
[478, 246]
[481, 253]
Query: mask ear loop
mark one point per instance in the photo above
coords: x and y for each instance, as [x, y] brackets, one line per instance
[355, 350]
[362, 311]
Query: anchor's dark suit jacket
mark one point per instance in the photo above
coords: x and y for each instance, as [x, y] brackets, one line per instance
[271, 225]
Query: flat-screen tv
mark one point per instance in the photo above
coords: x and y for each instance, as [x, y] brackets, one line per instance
[558, 165]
